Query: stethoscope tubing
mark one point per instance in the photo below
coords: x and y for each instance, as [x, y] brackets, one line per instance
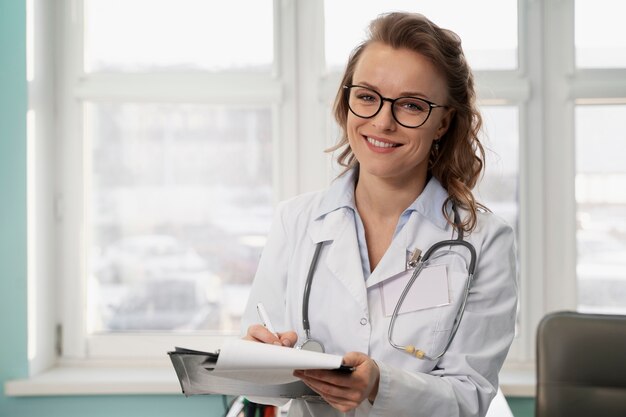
[418, 269]
[459, 241]
[307, 291]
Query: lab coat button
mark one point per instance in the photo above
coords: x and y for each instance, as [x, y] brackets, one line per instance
[363, 321]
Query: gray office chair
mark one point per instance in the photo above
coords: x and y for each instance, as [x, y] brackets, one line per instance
[581, 365]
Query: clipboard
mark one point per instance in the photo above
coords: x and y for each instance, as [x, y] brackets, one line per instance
[200, 372]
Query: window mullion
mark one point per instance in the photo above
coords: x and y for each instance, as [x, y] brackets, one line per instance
[312, 101]
[502, 86]
[559, 235]
[70, 197]
[531, 180]
[285, 154]
[604, 83]
[181, 87]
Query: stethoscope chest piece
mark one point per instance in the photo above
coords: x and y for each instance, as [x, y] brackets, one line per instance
[312, 345]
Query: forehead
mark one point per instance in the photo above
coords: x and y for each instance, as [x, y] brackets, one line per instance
[395, 71]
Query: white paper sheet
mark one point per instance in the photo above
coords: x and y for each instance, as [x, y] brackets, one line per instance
[244, 360]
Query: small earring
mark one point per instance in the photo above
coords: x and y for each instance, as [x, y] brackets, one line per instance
[436, 145]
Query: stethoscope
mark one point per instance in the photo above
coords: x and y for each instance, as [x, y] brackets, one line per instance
[418, 265]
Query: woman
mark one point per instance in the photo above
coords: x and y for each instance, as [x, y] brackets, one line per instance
[406, 106]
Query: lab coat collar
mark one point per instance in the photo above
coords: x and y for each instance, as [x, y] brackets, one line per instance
[430, 202]
[336, 209]
[341, 195]
[333, 220]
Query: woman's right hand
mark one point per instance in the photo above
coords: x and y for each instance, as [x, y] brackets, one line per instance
[259, 333]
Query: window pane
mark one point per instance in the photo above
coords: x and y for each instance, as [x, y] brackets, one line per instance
[346, 23]
[181, 202]
[601, 214]
[178, 34]
[600, 34]
[498, 189]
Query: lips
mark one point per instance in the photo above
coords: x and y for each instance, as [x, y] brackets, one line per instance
[381, 143]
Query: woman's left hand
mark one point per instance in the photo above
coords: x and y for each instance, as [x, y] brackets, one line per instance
[345, 391]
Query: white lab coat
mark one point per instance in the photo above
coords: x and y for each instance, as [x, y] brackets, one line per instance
[346, 314]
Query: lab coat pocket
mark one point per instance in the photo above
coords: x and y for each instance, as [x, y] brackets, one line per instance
[426, 329]
[446, 315]
[420, 311]
[449, 313]
[428, 290]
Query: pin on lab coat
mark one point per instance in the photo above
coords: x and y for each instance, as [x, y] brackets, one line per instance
[346, 312]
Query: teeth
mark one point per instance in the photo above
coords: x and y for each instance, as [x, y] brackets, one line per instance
[380, 144]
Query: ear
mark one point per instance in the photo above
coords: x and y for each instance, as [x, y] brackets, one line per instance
[444, 124]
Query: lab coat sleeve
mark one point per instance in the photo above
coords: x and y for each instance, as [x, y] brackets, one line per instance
[270, 282]
[269, 287]
[465, 379]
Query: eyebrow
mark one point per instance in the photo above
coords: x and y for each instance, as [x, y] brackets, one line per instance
[402, 94]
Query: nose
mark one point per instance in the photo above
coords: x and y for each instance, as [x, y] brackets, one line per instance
[384, 119]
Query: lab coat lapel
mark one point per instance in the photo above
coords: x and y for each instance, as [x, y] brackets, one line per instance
[424, 221]
[341, 255]
[394, 260]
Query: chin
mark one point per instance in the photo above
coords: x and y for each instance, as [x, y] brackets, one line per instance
[390, 172]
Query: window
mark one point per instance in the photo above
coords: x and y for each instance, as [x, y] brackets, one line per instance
[174, 125]
[180, 199]
[166, 35]
[179, 131]
[499, 189]
[346, 21]
[601, 212]
[178, 146]
[600, 151]
[600, 36]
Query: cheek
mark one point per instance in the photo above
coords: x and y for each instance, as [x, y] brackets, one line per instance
[421, 143]
[352, 126]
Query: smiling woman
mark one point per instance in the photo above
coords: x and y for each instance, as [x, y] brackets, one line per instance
[397, 73]
[410, 63]
[403, 209]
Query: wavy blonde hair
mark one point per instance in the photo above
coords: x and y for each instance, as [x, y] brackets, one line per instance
[459, 161]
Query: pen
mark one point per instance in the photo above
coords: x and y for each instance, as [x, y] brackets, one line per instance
[265, 319]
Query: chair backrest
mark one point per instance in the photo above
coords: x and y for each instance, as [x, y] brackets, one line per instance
[581, 365]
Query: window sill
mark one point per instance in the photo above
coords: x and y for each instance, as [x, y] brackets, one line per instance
[518, 382]
[145, 380]
[109, 380]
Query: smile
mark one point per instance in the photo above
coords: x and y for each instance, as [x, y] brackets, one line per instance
[380, 144]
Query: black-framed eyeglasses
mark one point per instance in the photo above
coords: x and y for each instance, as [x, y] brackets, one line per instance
[409, 112]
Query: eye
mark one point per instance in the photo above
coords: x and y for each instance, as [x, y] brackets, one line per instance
[412, 105]
[366, 97]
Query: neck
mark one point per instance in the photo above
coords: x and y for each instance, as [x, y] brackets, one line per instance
[386, 197]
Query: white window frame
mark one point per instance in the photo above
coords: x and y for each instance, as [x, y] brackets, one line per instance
[275, 88]
[545, 87]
